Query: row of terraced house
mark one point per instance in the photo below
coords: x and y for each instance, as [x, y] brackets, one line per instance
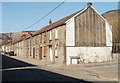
[82, 37]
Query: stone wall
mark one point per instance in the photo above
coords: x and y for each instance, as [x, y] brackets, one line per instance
[30, 48]
[116, 56]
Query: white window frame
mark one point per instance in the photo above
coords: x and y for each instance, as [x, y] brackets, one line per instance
[50, 38]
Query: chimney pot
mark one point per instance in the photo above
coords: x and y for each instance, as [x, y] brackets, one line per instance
[89, 4]
[50, 21]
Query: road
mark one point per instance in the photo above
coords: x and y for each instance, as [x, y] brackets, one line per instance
[15, 70]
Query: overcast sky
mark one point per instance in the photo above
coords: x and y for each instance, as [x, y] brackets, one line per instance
[16, 16]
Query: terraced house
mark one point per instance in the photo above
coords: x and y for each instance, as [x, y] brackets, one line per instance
[82, 37]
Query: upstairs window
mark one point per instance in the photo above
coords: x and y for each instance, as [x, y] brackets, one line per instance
[41, 38]
[45, 39]
[56, 51]
[36, 40]
[50, 37]
[56, 33]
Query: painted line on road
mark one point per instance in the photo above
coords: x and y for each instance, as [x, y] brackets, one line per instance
[17, 68]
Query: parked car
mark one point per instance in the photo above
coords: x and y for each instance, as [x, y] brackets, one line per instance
[11, 53]
[2, 52]
[5, 52]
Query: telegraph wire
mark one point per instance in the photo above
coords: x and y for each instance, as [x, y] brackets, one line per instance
[45, 15]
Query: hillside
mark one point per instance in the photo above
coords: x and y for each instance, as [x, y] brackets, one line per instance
[113, 18]
[5, 38]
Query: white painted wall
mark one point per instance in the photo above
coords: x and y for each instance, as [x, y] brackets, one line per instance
[89, 54]
[70, 33]
[108, 34]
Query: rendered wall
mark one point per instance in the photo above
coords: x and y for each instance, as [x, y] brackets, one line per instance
[70, 33]
[89, 54]
[108, 34]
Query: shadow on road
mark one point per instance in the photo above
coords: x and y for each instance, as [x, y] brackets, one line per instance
[8, 62]
[31, 75]
[36, 75]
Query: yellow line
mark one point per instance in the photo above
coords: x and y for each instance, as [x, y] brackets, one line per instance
[17, 68]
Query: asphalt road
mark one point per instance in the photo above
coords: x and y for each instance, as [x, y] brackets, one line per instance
[17, 71]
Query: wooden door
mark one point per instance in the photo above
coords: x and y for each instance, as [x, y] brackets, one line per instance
[33, 53]
[40, 53]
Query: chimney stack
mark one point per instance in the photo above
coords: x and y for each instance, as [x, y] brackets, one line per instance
[29, 32]
[50, 22]
[89, 4]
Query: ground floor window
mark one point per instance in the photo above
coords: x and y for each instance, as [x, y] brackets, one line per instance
[56, 51]
[45, 50]
[51, 54]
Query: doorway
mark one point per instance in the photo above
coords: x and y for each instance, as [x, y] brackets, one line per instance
[40, 53]
[33, 53]
[51, 54]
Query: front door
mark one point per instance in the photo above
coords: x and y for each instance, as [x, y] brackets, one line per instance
[33, 53]
[40, 53]
[51, 55]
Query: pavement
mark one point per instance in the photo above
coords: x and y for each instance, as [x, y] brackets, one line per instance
[107, 71]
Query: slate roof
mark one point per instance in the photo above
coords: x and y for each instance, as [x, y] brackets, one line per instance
[55, 24]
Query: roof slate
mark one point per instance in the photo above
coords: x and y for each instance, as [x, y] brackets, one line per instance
[55, 24]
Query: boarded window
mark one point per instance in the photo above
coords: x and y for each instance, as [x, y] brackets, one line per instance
[45, 50]
[56, 33]
[50, 37]
[56, 51]
[41, 38]
[90, 29]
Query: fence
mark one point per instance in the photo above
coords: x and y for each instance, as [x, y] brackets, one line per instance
[116, 48]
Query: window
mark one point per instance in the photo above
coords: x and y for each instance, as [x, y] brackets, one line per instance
[56, 33]
[56, 51]
[45, 37]
[45, 50]
[36, 40]
[50, 38]
[51, 54]
[41, 38]
[37, 51]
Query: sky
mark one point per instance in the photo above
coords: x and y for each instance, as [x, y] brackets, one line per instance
[17, 16]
